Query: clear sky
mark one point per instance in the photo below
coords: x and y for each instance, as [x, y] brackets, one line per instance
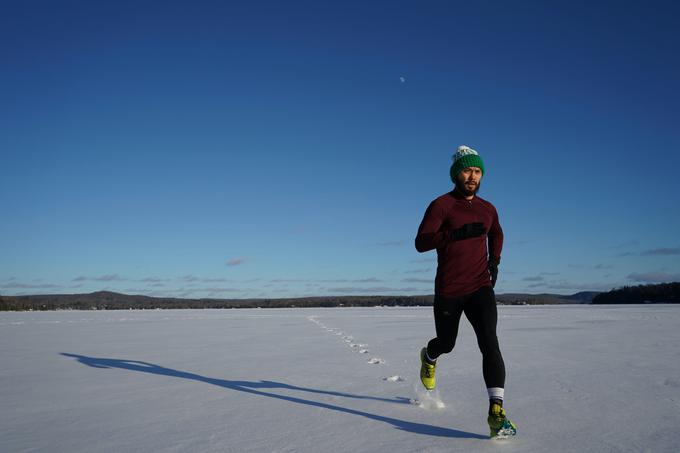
[285, 149]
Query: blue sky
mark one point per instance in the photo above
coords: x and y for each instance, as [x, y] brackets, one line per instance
[285, 149]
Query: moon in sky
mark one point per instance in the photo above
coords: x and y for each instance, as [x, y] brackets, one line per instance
[403, 79]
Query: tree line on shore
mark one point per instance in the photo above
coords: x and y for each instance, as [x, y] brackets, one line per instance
[106, 300]
[664, 293]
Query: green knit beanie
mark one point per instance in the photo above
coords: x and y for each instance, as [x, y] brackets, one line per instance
[465, 157]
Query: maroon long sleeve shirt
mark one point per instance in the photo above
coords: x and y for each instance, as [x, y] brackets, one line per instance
[462, 266]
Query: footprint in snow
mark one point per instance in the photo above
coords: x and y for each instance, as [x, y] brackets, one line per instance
[426, 399]
[395, 378]
[670, 382]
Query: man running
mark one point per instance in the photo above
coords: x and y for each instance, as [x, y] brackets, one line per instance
[465, 231]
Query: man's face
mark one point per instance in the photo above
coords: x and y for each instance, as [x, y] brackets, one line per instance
[468, 180]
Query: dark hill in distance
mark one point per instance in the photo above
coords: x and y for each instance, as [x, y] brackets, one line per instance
[107, 300]
[584, 297]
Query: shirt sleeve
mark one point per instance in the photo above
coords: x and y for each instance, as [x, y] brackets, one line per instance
[495, 236]
[429, 237]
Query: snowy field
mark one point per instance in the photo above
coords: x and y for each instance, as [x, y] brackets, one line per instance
[579, 379]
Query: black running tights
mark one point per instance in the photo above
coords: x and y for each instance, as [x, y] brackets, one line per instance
[480, 309]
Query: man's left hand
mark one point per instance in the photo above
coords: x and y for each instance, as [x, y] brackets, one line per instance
[493, 270]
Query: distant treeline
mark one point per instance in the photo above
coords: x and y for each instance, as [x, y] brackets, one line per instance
[664, 293]
[104, 300]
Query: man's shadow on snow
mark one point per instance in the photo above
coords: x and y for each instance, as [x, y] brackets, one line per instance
[256, 388]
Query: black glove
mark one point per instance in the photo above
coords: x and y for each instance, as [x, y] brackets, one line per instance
[467, 231]
[493, 270]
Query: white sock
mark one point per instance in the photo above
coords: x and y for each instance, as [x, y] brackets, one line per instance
[496, 393]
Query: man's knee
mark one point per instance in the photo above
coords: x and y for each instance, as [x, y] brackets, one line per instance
[488, 344]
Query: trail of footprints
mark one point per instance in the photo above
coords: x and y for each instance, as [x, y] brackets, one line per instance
[423, 398]
[359, 348]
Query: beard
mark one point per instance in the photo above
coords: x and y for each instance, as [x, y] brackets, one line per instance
[460, 186]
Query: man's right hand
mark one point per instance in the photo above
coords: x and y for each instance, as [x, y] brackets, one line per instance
[467, 231]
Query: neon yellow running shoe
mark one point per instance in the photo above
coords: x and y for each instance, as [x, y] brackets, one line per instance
[426, 371]
[501, 427]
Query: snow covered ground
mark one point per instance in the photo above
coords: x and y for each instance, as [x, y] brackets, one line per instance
[579, 378]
